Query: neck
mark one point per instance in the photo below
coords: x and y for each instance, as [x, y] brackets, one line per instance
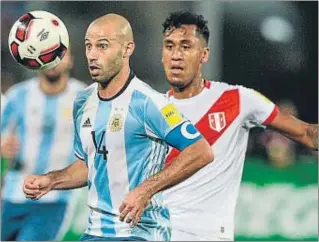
[54, 88]
[115, 85]
[193, 89]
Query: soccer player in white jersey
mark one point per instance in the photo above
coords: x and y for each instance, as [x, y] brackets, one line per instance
[123, 127]
[203, 206]
[36, 137]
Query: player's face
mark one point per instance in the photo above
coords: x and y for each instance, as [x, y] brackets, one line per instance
[183, 54]
[103, 52]
[64, 67]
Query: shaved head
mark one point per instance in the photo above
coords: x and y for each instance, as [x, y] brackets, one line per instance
[121, 28]
[109, 45]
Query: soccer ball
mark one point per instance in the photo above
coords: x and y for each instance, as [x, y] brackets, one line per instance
[38, 40]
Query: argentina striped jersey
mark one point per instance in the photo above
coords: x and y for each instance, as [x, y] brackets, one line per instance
[123, 141]
[44, 127]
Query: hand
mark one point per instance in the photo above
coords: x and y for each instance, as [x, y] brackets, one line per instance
[9, 146]
[35, 187]
[133, 206]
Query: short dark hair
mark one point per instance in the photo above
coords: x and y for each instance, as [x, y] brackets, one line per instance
[177, 18]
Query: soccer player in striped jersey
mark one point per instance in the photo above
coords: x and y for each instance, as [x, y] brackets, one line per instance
[123, 128]
[36, 137]
[203, 206]
[3, 101]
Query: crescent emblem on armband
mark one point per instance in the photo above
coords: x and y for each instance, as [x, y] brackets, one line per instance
[186, 133]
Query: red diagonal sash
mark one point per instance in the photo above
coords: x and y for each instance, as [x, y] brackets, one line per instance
[227, 103]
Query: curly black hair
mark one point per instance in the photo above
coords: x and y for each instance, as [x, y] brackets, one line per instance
[177, 18]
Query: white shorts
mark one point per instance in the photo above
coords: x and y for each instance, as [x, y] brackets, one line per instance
[178, 235]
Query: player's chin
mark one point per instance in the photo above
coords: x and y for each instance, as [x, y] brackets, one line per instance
[96, 77]
[176, 81]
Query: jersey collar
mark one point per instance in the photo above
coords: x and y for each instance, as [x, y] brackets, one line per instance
[130, 78]
[207, 85]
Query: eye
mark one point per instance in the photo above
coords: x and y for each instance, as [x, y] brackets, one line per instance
[88, 46]
[103, 46]
[169, 46]
[185, 47]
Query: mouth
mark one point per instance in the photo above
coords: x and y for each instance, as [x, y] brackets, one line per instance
[176, 69]
[93, 67]
[94, 70]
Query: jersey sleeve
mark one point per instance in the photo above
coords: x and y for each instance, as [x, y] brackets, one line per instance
[78, 148]
[163, 120]
[258, 110]
[9, 112]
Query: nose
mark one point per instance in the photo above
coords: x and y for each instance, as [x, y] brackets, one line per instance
[177, 54]
[92, 54]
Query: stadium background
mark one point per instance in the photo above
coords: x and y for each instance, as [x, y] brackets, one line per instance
[269, 46]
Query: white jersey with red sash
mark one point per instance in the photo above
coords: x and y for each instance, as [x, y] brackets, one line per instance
[204, 204]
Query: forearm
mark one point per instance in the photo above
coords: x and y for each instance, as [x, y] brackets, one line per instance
[297, 130]
[308, 136]
[312, 134]
[73, 176]
[190, 160]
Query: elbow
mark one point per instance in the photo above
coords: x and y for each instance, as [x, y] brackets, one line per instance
[208, 156]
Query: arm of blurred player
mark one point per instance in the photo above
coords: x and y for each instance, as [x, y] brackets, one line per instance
[9, 146]
[9, 114]
[297, 130]
[73, 176]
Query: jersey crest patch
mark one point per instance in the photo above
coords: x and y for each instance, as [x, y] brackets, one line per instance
[217, 121]
[116, 122]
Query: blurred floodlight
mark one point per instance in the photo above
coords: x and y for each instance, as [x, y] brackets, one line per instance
[277, 29]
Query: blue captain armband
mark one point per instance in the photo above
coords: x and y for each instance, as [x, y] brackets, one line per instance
[183, 135]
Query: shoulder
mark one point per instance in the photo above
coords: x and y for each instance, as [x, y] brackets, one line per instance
[143, 91]
[83, 95]
[76, 84]
[225, 86]
[15, 90]
[242, 91]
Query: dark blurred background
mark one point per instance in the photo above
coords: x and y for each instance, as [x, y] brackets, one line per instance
[270, 46]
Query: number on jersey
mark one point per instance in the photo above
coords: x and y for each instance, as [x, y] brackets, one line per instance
[100, 149]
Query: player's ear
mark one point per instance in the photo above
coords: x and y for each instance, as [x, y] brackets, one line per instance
[129, 49]
[205, 55]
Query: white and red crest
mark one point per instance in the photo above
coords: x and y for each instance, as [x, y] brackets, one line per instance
[217, 121]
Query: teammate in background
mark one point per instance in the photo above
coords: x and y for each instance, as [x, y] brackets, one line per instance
[37, 136]
[203, 206]
[3, 100]
[123, 127]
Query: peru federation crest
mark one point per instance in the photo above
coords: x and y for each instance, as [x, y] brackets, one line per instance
[217, 121]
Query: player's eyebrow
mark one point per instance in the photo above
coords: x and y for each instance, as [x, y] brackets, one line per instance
[182, 41]
[167, 41]
[100, 40]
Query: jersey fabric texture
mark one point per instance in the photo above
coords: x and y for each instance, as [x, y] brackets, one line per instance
[224, 114]
[123, 141]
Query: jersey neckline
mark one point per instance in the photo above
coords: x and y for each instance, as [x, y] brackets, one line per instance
[207, 85]
[128, 81]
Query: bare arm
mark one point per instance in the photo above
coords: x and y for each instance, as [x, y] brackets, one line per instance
[297, 130]
[190, 160]
[73, 176]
